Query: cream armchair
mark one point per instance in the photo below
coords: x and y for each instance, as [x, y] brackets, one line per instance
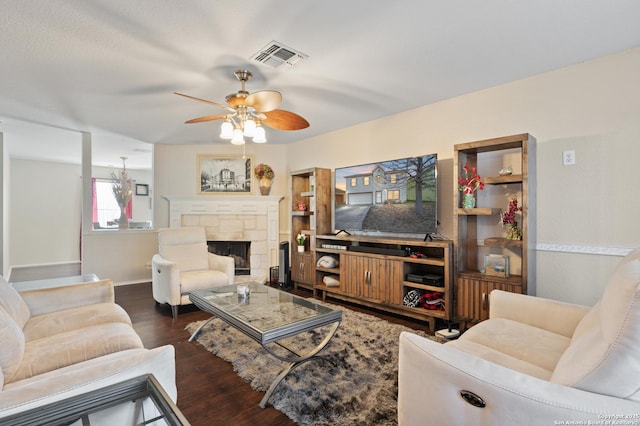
[184, 264]
[533, 362]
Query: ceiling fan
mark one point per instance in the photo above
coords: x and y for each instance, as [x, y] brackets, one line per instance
[248, 112]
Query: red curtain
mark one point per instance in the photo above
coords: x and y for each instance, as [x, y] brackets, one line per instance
[128, 210]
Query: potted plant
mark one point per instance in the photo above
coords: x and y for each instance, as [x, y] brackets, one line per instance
[300, 239]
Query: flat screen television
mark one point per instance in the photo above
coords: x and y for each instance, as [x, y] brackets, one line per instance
[395, 198]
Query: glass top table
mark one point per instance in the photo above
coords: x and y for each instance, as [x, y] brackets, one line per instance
[153, 406]
[268, 315]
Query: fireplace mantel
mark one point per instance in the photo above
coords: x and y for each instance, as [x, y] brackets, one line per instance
[234, 218]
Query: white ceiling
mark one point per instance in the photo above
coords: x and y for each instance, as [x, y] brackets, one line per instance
[110, 66]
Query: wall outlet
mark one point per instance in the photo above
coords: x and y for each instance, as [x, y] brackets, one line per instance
[568, 158]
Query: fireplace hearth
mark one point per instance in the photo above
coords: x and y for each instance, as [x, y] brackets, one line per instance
[239, 250]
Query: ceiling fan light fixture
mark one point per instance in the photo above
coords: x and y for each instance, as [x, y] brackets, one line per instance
[226, 130]
[249, 128]
[238, 137]
[247, 112]
[260, 136]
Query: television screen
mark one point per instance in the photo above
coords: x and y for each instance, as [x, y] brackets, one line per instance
[394, 198]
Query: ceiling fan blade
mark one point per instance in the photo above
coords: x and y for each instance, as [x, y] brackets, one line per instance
[205, 101]
[284, 120]
[264, 100]
[205, 118]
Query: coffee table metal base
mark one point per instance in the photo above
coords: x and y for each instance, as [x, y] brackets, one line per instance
[295, 360]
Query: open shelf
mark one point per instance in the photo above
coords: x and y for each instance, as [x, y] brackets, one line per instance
[478, 211]
[372, 272]
[499, 180]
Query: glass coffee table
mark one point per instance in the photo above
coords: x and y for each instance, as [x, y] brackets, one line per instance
[268, 315]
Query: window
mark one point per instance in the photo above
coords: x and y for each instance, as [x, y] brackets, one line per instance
[106, 212]
[393, 178]
[393, 195]
[378, 179]
[354, 181]
[366, 181]
[109, 154]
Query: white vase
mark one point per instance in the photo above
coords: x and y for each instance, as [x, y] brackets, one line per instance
[123, 222]
[300, 249]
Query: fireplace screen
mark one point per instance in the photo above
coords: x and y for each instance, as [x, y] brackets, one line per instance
[239, 250]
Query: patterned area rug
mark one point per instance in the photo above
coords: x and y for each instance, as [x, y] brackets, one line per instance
[359, 386]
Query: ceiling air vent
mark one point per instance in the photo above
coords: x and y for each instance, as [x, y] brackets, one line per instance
[277, 55]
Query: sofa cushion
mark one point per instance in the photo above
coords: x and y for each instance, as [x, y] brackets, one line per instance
[198, 280]
[13, 303]
[13, 345]
[58, 298]
[185, 246]
[608, 337]
[72, 347]
[519, 341]
[500, 358]
[46, 325]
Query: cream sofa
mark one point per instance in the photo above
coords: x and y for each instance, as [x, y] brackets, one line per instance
[533, 362]
[65, 341]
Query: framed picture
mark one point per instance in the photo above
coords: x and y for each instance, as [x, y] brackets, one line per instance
[142, 189]
[496, 265]
[224, 174]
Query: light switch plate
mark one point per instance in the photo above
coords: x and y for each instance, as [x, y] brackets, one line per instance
[568, 158]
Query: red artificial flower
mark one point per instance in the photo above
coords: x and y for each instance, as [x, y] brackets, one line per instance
[471, 182]
[510, 215]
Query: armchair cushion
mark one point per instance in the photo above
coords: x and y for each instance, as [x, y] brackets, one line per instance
[185, 246]
[607, 338]
[196, 280]
[510, 343]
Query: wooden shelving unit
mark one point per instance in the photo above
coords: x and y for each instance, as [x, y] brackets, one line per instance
[313, 188]
[475, 231]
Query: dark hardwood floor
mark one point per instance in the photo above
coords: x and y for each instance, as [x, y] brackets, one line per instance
[209, 391]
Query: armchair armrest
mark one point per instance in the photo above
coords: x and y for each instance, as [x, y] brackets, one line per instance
[53, 299]
[552, 315]
[431, 376]
[225, 264]
[165, 280]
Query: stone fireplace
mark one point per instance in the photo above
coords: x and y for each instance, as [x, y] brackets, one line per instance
[239, 218]
[239, 250]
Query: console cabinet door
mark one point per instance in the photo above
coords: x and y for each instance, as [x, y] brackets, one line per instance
[302, 268]
[373, 278]
[473, 296]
